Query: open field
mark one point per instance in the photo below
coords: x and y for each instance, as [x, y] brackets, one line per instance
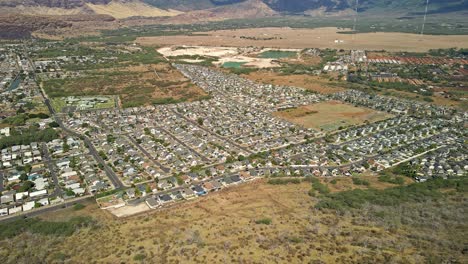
[255, 223]
[331, 115]
[312, 38]
[129, 9]
[309, 82]
[136, 85]
[60, 104]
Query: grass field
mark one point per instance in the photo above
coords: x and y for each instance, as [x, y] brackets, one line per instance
[256, 223]
[136, 85]
[312, 38]
[309, 82]
[331, 115]
[58, 103]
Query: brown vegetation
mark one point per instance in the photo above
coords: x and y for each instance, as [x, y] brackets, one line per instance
[331, 115]
[256, 223]
[312, 38]
[309, 82]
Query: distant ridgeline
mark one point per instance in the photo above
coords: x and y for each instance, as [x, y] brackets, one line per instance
[298, 6]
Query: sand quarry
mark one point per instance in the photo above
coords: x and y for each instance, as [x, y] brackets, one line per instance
[312, 38]
[247, 56]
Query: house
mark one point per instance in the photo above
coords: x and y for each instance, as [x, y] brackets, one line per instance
[199, 190]
[8, 197]
[28, 206]
[14, 210]
[38, 193]
[208, 186]
[152, 202]
[245, 175]
[186, 179]
[227, 181]
[236, 179]
[216, 185]
[43, 201]
[130, 193]
[165, 198]
[20, 196]
[188, 194]
[3, 211]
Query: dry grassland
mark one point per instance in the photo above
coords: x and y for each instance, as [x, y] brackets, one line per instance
[129, 9]
[224, 227]
[331, 115]
[313, 83]
[312, 38]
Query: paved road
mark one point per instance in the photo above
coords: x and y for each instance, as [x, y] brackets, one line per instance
[205, 159]
[58, 192]
[92, 150]
[165, 169]
[1, 181]
[214, 134]
[45, 209]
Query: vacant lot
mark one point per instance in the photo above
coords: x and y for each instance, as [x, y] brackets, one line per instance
[136, 85]
[309, 82]
[331, 115]
[312, 38]
[256, 223]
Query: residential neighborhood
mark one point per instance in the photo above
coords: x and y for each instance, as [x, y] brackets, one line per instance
[156, 155]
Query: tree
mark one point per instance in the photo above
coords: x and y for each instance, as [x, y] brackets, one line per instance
[200, 121]
[148, 188]
[53, 124]
[66, 147]
[27, 185]
[23, 177]
[69, 192]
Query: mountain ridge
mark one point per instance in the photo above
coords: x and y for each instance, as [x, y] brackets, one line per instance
[301, 7]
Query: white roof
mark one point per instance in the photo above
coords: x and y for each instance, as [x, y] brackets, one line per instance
[28, 206]
[38, 193]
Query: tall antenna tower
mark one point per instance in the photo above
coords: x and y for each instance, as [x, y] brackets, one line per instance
[425, 16]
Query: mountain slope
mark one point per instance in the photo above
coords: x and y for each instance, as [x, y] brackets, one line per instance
[220, 8]
[121, 10]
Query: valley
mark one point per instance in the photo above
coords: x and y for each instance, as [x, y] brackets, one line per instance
[233, 131]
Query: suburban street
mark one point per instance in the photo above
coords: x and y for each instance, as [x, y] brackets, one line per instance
[45, 209]
[53, 172]
[1, 181]
[166, 170]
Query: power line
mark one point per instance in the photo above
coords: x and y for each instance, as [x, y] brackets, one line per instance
[355, 15]
[424, 21]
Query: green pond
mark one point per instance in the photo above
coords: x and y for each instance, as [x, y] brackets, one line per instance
[233, 64]
[277, 54]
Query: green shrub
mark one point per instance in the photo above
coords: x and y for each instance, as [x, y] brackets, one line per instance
[139, 257]
[359, 181]
[416, 192]
[264, 221]
[394, 180]
[78, 206]
[284, 181]
[37, 226]
[320, 187]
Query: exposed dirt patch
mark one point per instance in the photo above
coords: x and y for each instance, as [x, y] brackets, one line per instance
[331, 115]
[310, 82]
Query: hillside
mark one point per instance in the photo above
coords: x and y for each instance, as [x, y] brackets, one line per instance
[157, 8]
[121, 10]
